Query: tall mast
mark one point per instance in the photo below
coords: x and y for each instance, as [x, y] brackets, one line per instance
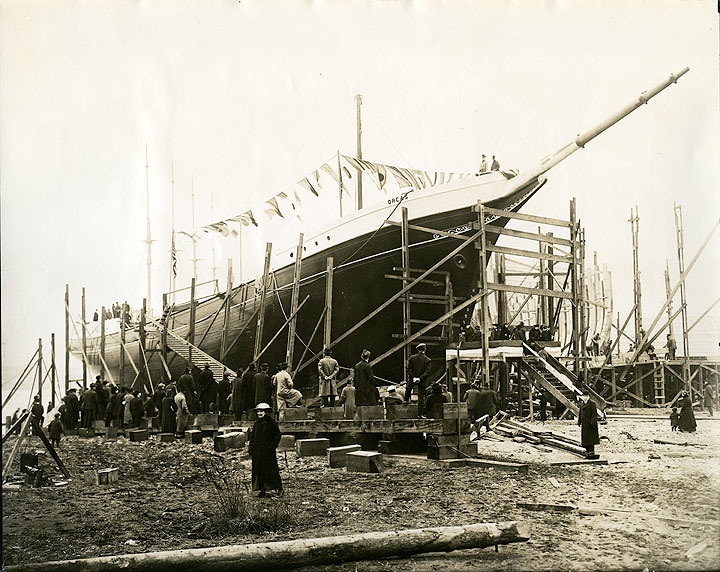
[358, 104]
[240, 247]
[194, 238]
[148, 241]
[212, 238]
[637, 290]
[173, 251]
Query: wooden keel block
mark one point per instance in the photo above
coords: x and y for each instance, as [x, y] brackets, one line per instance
[500, 466]
[208, 432]
[207, 420]
[193, 436]
[402, 411]
[453, 463]
[86, 433]
[226, 419]
[454, 410]
[440, 452]
[139, 435]
[440, 440]
[70, 431]
[91, 477]
[229, 441]
[294, 414]
[329, 413]
[167, 437]
[368, 412]
[364, 462]
[336, 456]
[108, 476]
[385, 447]
[287, 443]
[312, 447]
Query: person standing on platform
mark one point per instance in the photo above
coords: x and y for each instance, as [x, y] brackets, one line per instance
[483, 165]
[328, 369]
[671, 346]
[37, 410]
[433, 406]
[418, 366]
[182, 413]
[186, 383]
[223, 393]
[364, 381]
[263, 385]
[687, 416]
[392, 398]
[588, 422]
[168, 422]
[136, 409]
[494, 166]
[89, 407]
[248, 387]
[237, 397]
[708, 397]
[264, 439]
[206, 383]
[286, 395]
[55, 431]
[347, 399]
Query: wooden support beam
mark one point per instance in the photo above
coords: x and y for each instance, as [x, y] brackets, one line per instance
[490, 229]
[405, 256]
[327, 330]
[574, 288]
[531, 291]
[528, 253]
[483, 288]
[263, 296]
[240, 333]
[52, 366]
[102, 341]
[705, 313]
[84, 340]
[191, 325]
[67, 337]
[297, 270]
[304, 364]
[226, 303]
[141, 333]
[527, 217]
[39, 370]
[123, 321]
[163, 336]
[282, 328]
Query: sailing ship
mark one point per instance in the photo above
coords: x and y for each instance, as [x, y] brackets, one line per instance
[232, 329]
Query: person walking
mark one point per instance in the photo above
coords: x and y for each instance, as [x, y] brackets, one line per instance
[418, 366]
[708, 397]
[364, 381]
[588, 422]
[328, 368]
[55, 431]
[263, 442]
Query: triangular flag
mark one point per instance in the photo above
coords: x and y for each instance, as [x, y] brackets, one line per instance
[329, 170]
[273, 208]
[307, 185]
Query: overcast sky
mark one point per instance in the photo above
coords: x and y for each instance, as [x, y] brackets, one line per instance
[245, 98]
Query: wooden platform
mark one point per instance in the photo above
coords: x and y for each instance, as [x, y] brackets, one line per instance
[433, 426]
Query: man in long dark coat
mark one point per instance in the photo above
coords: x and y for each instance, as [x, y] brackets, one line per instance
[89, 407]
[588, 421]
[264, 439]
[248, 389]
[687, 416]
[72, 408]
[223, 392]
[114, 413]
[487, 404]
[103, 395]
[364, 381]
[263, 385]
[418, 366]
[206, 389]
[238, 395]
[167, 413]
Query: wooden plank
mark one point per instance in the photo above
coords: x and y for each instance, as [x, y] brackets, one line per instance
[580, 462]
[526, 290]
[490, 229]
[527, 217]
[295, 298]
[528, 253]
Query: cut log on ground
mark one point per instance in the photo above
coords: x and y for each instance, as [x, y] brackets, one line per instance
[301, 552]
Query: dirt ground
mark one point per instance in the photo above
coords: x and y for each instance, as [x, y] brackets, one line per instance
[671, 495]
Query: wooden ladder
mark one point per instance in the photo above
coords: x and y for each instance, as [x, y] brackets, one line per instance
[659, 384]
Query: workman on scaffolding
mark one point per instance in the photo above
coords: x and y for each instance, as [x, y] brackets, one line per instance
[418, 366]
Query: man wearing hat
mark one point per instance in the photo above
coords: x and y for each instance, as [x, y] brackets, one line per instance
[287, 396]
[72, 408]
[418, 367]
[328, 369]
[364, 381]
[264, 439]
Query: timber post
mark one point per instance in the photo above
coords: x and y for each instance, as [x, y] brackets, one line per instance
[142, 335]
[327, 331]
[542, 282]
[123, 322]
[550, 282]
[102, 342]
[667, 295]
[290, 353]
[677, 209]
[263, 296]
[574, 288]
[483, 290]
[67, 337]
[52, 366]
[163, 333]
[191, 330]
[39, 369]
[226, 316]
[84, 341]
[637, 290]
[405, 245]
[583, 304]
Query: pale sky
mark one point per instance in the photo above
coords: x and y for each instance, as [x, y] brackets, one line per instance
[247, 97]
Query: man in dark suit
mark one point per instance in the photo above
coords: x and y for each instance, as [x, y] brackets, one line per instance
[365, 390]
[419, 373]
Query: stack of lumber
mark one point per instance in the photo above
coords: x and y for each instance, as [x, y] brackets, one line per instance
[507, 427]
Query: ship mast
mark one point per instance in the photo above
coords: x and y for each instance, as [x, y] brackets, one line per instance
[212, 238]
[148, 241]
[194, 238]
[173, 251]
[358, 104]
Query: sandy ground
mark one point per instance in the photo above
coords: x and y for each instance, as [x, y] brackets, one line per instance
[163, 500]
